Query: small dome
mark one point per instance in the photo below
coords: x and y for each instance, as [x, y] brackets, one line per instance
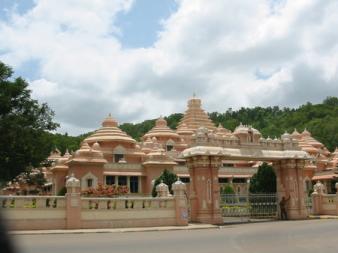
[85, 153]
[306, 133]
[96, 146]
[109, 122]
[286, 135]
[67, 154]
[243, 129]
[161, 122]
[295, 134]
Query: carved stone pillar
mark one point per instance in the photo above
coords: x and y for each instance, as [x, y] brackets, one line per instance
[292, 177]
[204, 189]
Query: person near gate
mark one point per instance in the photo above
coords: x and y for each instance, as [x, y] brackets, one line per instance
[283, 206]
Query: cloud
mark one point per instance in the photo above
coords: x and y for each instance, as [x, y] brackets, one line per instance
[231, 53]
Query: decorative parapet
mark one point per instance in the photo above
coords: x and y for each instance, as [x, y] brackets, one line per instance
[243, 137]
[123, 166]
[245, 153]
[235, 170]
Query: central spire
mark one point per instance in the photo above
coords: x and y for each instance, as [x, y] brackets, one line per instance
[195, 117]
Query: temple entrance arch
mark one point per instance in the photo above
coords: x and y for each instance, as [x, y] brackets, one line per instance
[205, 157]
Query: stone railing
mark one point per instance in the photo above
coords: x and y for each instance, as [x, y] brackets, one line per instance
[126, 203]
[36, 202]
[75, 212]
[34, 212]
[324, 204]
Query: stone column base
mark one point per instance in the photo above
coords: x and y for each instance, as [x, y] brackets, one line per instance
[297, 214]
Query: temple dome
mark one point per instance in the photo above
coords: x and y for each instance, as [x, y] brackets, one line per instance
[221, 131]
[285, 136]
[161, 130]
[87, 154]
[305, 133]
[295, 134]
[109, 132]
[244, 129]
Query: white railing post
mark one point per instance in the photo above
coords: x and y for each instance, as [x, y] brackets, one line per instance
[73, 203]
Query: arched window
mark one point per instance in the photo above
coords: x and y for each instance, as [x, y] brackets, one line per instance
[88, 180]
[119, 153]
[170, 145]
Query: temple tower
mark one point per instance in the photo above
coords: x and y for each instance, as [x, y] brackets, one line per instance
[195, 117]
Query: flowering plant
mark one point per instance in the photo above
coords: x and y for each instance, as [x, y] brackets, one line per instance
[105, 191]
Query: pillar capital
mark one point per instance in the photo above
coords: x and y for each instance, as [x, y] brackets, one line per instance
[73, 184]
[162, 190]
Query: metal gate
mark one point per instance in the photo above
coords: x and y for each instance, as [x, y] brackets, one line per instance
[255, 206]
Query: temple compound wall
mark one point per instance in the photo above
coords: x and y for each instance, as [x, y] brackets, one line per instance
[323, 203]
[75, 212]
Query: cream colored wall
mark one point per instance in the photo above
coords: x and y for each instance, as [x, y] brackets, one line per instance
[31, 212]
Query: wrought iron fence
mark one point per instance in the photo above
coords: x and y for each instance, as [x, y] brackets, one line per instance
[251, 205]
[308, 204]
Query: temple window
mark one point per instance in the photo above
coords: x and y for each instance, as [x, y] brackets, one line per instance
[228, 165]
[110, 180]
[185, 179]
[118, 157]
[170, 145]
[133, 184]
[122, 180]
[223, 180]
[239, 180]
[89, 182]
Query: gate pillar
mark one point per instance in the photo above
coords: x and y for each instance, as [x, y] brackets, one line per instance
[204, 189]
[290, 183]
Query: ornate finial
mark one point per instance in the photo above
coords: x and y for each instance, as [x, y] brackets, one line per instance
[194, 95]
[109, 115]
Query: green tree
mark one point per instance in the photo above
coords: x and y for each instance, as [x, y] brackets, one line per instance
[227, 190]
[23, 124]
[264, 181]
[168, 178]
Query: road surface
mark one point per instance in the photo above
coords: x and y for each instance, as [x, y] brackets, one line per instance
[281, 236]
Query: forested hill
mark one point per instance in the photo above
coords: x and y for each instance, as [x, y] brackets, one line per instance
[320, 119]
